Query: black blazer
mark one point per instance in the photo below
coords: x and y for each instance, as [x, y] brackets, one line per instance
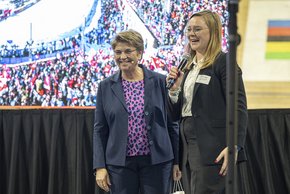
[111, 122]
[209, 111]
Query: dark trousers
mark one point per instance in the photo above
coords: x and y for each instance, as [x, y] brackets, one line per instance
[138, 176]
[196, 177]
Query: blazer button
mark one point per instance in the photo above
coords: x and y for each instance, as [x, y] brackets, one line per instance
[149, 127]
[151, 142]
[146, 113]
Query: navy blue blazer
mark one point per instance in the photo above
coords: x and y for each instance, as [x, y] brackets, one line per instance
[111, 122]
[209, 112]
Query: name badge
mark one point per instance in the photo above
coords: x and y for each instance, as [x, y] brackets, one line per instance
[203, 79]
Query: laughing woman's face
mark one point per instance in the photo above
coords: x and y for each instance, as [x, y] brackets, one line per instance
[198, 34]
[126, 56]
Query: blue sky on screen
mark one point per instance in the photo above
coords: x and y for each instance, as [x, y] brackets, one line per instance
[47, 18]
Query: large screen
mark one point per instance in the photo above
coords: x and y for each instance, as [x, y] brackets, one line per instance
[54, 53]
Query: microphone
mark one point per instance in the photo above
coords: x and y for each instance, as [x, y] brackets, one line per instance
[180, 67]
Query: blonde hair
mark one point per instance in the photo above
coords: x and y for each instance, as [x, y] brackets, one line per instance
[214, 47]
[131, 37]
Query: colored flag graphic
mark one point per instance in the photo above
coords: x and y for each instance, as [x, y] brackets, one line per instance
[278, 40]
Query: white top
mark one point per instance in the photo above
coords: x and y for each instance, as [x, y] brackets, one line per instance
[188, 89]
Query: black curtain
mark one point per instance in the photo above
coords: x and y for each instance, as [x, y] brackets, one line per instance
[48, 151]
[267, 170]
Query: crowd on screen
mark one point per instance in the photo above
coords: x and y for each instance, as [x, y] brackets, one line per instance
[12, 8]
[175, 13]
[71, 77]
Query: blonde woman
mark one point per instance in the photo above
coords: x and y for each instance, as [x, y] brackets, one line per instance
[198, 101]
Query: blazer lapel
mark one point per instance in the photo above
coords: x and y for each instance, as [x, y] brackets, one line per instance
[196, 86]
[205, 71]
[148, 84]
[118, 90]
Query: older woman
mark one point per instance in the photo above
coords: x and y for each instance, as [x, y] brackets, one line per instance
[135, 143]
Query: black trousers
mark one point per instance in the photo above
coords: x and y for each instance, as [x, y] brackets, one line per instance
[138, 176]
[196, 177]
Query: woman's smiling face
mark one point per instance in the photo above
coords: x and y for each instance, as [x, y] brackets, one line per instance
[198, 34]
[126, 56]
